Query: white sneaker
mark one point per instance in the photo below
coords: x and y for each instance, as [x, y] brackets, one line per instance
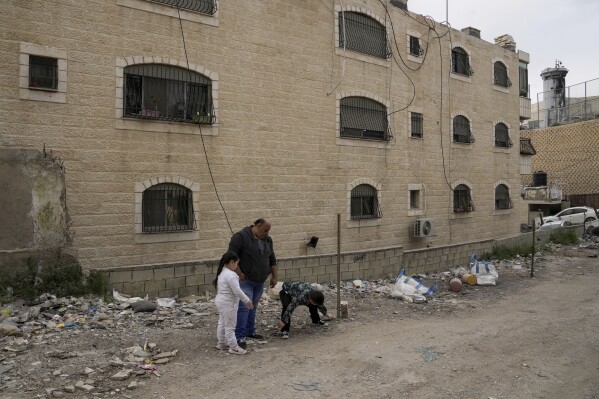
[221, 347]
[238, 351]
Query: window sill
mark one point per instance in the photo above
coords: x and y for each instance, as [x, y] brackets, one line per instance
[362, 143]
[362, 57]
[149, 238]
[501, 89]
[162, 9]
[415, 212]
[462, 78]
[149, 125]
[461, 215]
[502, 150]
[416, 59]
[353, 223]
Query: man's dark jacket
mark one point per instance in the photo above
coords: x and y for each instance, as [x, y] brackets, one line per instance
[255, 265]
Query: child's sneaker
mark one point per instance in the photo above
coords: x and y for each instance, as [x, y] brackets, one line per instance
[321, 323]
[285, 334]
[237, 351]
[221, 347]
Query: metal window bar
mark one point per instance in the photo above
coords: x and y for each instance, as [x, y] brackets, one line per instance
[417, 122]
[361, 33]
[363, 118]
[167, 207]
[43, 72]
[460, 63]
[502, 198]
[500, 75]
[502, 137]
[461, 130]
[462, 201]
[162, 92]
[415, 48]
[364, 203]
[201, 6]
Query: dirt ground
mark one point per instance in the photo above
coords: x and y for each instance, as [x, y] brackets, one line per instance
[523, 338]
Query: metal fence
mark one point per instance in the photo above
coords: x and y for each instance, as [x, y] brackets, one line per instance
[579, 102]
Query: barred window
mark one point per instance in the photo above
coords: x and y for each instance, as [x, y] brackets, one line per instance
[462, 201]
[461, 130]
[416, 122]
[460, 63]
[502, 137]
[167, 207]
[500, 75]
[201, 6]
[364, 202]
[163, 92]
[415, 48]
[361, 33]
[43, 72]
[363, 118]
[502, 197]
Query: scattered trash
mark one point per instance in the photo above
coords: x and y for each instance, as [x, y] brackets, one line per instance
[455, 284]
[411, 289]
[166, 302]
[485, 272]
[306, 386]
[429, 353]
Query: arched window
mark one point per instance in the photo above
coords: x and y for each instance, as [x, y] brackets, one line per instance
[202, 6]
[164, 92]
[461, 130]
[462, 201]
[361, 33]
[364, 202]
[502, 137]
[460, 63]
[502, 197]
[500, 74]
[363, 118]
[167, 207]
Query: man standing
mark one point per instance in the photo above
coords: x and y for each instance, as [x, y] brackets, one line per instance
[256, 262]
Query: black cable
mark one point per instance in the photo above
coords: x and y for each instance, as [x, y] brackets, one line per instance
[201, 135]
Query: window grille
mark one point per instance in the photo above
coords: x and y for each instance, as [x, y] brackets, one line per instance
[462, 201]
[363, 118]
[364, 203]
[416, 121]
[43, 72]
[502, 197]
[502, 138]
[201, 6]
[501, 78]
[155, 91]
[460, 63]
[461, 130]
[167, 207]
[361, 33]
[415, 48]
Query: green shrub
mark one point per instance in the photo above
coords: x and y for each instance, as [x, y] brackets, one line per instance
[564, 237]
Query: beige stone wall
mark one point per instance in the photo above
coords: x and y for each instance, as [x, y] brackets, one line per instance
[278, 75]
[568, 154]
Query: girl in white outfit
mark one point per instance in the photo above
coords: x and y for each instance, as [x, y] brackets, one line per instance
[228, 295]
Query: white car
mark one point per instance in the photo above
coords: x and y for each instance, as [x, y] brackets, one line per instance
[574, 215]
[554, 225]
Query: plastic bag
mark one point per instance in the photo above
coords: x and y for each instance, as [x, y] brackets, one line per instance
[411, 289]
[485, 272]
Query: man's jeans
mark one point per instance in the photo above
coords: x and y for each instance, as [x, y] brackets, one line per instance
[246, 318]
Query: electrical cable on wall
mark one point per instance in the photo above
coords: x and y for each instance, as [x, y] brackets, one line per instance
[201, 135]
[333, 52]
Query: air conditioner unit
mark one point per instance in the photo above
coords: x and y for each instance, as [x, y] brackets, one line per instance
[423, 228]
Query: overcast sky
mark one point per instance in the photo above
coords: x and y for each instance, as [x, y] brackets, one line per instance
[566, 30]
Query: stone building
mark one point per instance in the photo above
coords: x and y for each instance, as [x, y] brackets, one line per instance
[177, 126]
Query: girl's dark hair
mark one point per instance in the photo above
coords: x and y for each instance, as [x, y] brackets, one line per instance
[229, 256]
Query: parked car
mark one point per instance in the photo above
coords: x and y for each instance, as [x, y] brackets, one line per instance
[554, 225]
[574, 215]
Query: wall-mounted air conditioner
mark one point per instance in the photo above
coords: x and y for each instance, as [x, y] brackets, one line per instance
[423, 228]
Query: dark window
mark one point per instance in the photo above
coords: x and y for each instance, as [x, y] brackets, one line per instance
[202, 6]
[416, 120]
[523, 80]
[500, 75]
[502, 137]
[361, 33]
[364, 203]
[415, 48]
[363, 118]
[415, 199]
[502, 197]
[154, 91]
[462, 201]
[461, 130]
[460, 63]
[167, 207]
[43, 72]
